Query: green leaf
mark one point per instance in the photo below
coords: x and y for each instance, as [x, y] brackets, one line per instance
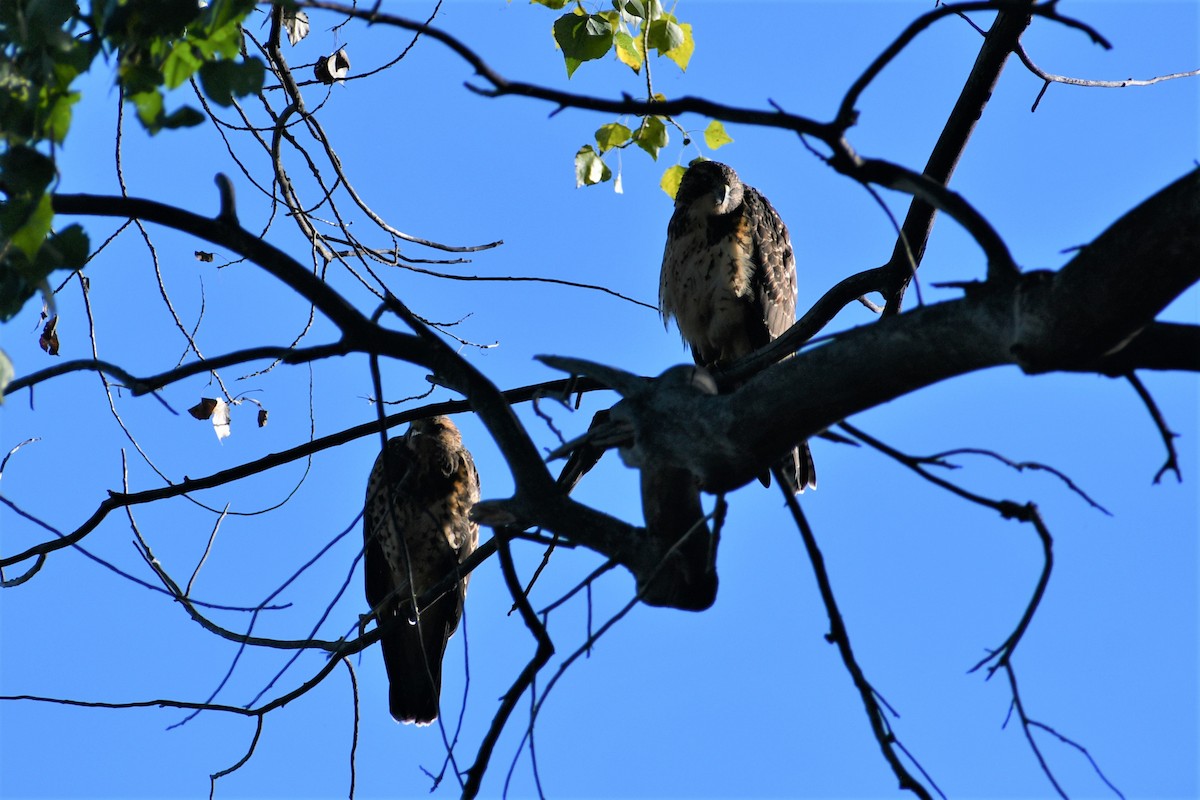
[6, 373]
[715, 135]
[651, 136]
[590, 169]
[225, 80]
[150, 111]
[180, 64]
[664, 35]
[21, 278]
[182, 117]
[29, 237]
[138, 78]
[629, 51]
[58, 121]
[551, 4]
[614, 134]
[220, 14]
[66, 249]
[681, 54]
[670, 180]
[582, 37]
[149, 107]
[224, 41]
[648, 10]
[25, 171]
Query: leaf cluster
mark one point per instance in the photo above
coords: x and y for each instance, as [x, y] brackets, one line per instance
[157, 45]
[161, 45]
[632, 30]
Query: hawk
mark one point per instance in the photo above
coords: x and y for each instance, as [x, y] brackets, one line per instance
[729, 278]
[416, 532]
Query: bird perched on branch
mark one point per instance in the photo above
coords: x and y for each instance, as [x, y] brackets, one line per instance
[729, 278]
[416, 533]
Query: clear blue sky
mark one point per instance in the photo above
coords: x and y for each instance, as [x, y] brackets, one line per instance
[746, 699]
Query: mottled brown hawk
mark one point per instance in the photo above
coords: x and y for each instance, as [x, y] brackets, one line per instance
[729, 278]
[416, 532]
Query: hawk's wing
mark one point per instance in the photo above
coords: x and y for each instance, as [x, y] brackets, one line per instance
[774, 281]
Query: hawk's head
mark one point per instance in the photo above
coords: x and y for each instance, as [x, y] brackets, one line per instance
[709, 188]
[435, 442]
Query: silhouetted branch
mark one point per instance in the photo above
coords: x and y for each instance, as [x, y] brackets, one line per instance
[1160, 422]
[1048, 78]
[542, 655]
[838, 635]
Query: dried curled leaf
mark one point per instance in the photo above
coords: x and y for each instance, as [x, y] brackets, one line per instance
[330, 69]
[49, 338]
[206, 257]
[215, 409]
[296, 25]
[6, 372]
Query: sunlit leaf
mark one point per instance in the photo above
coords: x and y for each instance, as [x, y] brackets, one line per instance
[642, 9]
[58, 119]
[629, 51]
[681, 54]
[21, 277]
[614, 134]
[670, 180]
[32, 232]
[582, 37]
[651, 136]
[149, 107]
[180, 65]
[715, 135]
[664, 35]
[552, 4]
[590, 169]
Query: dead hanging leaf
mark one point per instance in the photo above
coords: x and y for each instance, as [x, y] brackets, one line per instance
[203, 409]
[262, 417]
[330, 69]
[203, 256]
[296, 25]
[220, 420]
[215, 409]
[49, 338]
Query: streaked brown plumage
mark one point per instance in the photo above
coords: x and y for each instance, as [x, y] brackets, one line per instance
[729, 277]
[416, 532]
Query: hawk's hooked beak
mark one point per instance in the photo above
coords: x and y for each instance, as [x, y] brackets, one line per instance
[721, 194]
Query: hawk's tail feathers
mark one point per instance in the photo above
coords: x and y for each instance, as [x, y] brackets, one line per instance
[798, 469]
[414, 668]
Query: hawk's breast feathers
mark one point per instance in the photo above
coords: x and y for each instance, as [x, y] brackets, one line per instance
[728, 275]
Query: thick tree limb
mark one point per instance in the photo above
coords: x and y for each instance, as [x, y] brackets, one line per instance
[1003, 36]
[1076, 320]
